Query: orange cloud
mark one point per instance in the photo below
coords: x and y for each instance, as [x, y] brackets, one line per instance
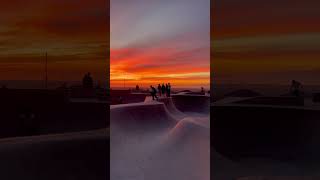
[156, 65]
[75, 33]
[264, 41]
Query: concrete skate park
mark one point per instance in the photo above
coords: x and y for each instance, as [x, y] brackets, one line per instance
[47, 136]
[265, 136]
[161, 139]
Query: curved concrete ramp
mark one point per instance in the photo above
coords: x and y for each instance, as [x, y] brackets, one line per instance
[181, 150]
[167, 101]
[262, 131]
[141, 116]
[31, 119]
[81, 155]
[172, 108]
[148, 99]
[188, 130]
[150, 138]
[192, 103]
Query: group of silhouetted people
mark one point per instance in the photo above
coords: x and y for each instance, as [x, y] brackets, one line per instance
[163, 91]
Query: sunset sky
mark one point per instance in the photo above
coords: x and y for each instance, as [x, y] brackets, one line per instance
[156, 41]
[75, 33]
[268, 42]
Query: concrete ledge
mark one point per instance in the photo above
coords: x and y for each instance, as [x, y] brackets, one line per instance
[280, 178]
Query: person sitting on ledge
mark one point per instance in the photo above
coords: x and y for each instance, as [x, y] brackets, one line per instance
[87, 81]
[296, 88]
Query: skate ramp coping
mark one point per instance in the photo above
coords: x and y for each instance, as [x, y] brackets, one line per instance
[148, 99]
[167, 101]
[146, 115]
[280, 178]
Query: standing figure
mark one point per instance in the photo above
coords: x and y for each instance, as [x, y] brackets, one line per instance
[169, 89]
[120, 100]
[202, 90]
[163, 89]
[159, 89]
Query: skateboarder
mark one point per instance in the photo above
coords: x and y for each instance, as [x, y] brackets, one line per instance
[153, 92]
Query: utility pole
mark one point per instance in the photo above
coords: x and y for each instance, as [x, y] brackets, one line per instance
[46, 71]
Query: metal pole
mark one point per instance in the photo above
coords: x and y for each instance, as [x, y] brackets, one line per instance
[46, 71]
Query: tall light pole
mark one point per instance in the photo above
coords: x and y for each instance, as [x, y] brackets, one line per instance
[46, 71]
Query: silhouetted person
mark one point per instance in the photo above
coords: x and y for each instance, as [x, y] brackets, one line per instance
[90, 81]
[296, 88]
[120, 100]
[87, 81]
[163, 89]
[137, 88]
[202, 90]
[159, 90]
[153, 93]
[169, 90]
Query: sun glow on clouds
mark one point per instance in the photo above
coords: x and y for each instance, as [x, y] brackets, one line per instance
[156, 42]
